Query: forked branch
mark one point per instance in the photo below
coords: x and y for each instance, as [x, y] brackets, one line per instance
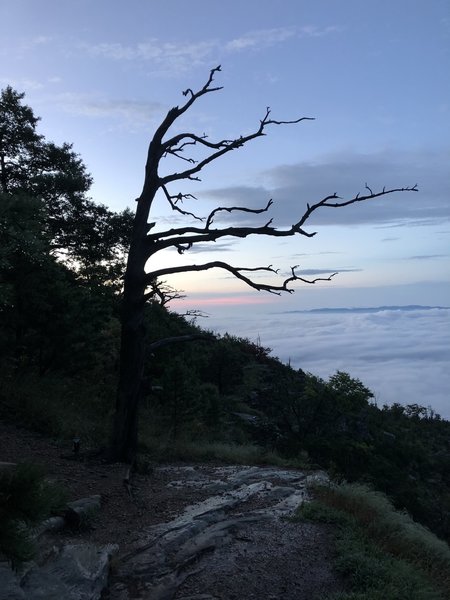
[229, 209]
[173, 201]
[193, 235]
[222, 147]
[326, 202]
[238, 272]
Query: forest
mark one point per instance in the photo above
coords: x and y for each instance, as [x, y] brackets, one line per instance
[62, 259]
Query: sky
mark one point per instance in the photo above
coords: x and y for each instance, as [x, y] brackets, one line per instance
[373, 75]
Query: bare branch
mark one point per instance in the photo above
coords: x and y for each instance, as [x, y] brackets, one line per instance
[165, 240]
[255, 211]
[176, 152]
[341, 203]
[195, 313]
[267, 121]
[173, 142]
[176, 111]
[172, 200]
[163, 292]
[226, 146]
[194, 235]
[238, 273]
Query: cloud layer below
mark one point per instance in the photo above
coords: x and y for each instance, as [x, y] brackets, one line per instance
[401, 355]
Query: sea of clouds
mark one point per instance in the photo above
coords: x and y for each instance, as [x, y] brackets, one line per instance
[401, 353]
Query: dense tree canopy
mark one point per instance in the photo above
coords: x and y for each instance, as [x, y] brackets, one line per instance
[90, 236]
[53, 238]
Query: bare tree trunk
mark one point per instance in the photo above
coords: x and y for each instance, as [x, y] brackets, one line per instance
[132, 348]
[129, 391]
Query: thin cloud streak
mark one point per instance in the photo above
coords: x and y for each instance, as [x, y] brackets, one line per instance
[212, 247]
[165, 55]
[426, 256]
[261, 39]
[181, 56]
[22, 84]
[326, 271]
[128, 110]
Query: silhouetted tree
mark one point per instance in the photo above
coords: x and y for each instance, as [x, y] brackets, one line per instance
[57, 248]
[145, 244]
[89, 235]
[49, 318]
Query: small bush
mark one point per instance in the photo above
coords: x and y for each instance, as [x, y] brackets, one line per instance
[25, 500]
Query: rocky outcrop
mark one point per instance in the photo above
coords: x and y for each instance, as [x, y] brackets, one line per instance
[72, 572]
[243, 500]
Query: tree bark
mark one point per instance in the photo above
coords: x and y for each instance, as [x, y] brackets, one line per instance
[129, 391]
[132, 348]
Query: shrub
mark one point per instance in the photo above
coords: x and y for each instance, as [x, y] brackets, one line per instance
[25, 500]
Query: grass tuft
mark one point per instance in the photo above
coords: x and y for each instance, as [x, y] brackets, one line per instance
[382, 552]
[163, 450]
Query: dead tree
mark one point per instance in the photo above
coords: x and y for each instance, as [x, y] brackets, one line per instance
[139, 285]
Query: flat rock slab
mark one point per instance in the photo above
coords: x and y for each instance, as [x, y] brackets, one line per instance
[74, 572]
[236, 543]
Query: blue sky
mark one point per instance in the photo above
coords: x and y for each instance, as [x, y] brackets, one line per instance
[374, 75]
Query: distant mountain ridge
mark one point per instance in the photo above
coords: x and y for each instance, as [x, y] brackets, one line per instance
[368, 309]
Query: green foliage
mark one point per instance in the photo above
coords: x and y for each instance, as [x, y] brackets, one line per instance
[393, 530]
[374, 575]
[59, 255]
[381, 552]
[38, 328]
[180, 401]
[59, 406]
[87, 234]
[26, 499]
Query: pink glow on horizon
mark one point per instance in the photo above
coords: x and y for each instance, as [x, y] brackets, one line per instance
[221, 301]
